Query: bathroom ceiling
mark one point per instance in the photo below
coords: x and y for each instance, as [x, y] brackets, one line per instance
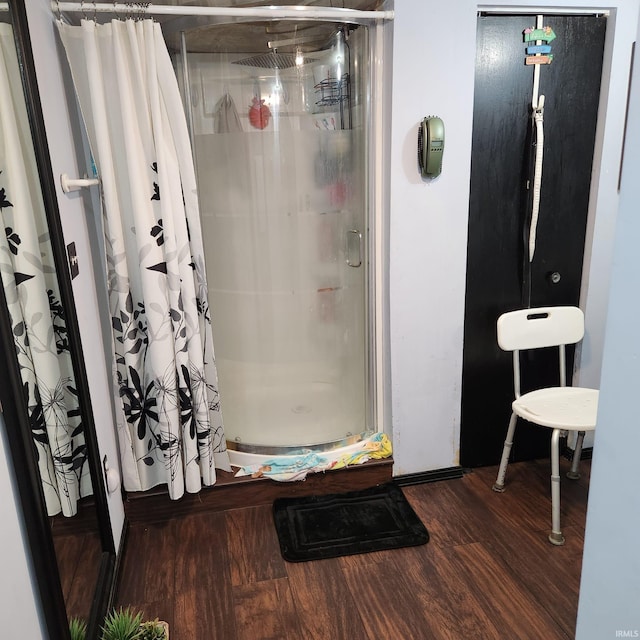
[217, 35]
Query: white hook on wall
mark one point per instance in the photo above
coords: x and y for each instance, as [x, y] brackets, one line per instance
[68, 184]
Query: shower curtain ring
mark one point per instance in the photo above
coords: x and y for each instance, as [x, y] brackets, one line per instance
[85, 11]
[143, 7]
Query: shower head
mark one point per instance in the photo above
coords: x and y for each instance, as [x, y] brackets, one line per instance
[273, 60]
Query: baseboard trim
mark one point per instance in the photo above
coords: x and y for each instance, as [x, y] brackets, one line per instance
[422, 477]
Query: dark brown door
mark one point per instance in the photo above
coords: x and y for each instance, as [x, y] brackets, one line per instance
[499, 275]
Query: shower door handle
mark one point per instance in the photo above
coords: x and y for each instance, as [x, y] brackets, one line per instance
[354, 248]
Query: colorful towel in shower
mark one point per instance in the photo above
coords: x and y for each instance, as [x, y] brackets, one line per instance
[288, 468]
[376, 448]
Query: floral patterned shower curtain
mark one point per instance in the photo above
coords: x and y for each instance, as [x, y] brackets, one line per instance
[170, 425]
[33, 298]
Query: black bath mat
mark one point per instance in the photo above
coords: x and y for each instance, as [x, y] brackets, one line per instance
[342, 524]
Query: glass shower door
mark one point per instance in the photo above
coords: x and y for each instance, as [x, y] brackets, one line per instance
[280, 148]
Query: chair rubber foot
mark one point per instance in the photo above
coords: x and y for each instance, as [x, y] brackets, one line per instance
[499, 488]
[556, 539]
[573, 475]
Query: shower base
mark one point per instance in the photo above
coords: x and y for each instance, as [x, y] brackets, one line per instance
[330, 451]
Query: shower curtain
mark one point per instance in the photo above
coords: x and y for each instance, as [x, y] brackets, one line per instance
[169, 424]
[37, 316]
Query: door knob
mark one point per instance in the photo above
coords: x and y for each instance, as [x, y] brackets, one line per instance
[554, 277]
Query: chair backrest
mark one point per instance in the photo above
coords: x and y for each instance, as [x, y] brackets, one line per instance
[540, 327]
[537, 328]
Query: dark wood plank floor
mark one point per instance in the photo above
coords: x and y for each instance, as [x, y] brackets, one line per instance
[78, 550]
[487, 572]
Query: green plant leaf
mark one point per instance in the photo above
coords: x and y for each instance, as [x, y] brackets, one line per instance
[122, 624]
[77, 629]
[151, 630]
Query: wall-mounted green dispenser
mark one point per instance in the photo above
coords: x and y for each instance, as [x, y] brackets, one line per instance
[430, 146]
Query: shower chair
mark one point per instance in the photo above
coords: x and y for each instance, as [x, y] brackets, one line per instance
[562, 409]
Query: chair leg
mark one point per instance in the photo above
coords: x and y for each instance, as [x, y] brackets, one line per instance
[573, 473]
[506, 452]
[555, 537]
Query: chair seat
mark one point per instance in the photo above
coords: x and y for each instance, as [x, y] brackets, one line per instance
[569, 408]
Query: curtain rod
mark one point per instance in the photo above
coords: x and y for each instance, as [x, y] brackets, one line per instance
[268, 13]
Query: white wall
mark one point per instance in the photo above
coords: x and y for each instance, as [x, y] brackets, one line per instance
[62, 131]
[433, 73]
[610, 587]
[19, 601]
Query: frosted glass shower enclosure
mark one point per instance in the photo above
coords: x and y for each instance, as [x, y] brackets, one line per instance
[278, 118]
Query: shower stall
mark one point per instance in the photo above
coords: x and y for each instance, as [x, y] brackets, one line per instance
[282, 117]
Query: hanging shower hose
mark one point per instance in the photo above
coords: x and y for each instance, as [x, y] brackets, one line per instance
[537, 104]
[538, 117]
